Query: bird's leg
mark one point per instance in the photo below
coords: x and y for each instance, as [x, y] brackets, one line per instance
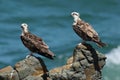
[31, 53]
[83, 42]
[79, 43]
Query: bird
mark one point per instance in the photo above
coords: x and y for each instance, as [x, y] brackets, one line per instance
[35, 44]
[85, 30]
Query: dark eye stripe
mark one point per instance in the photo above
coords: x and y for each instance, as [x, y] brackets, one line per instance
[74, 14]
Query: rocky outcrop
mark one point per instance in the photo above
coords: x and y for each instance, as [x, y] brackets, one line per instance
[85, 64]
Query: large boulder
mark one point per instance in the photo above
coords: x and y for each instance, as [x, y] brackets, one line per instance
[85, 64]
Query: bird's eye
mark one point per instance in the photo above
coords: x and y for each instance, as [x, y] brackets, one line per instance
[75, 14]
[21, 26]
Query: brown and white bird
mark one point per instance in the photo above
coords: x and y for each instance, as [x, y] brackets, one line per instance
[85, 31]
[34, 43]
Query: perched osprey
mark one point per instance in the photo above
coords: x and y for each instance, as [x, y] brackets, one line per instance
[85, 31]
[34, 43]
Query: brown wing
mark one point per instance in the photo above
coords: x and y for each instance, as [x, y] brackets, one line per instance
[38, 41]
[40, 45]
[28, 43]
[88, 30]
[36, 47]
[36, 44]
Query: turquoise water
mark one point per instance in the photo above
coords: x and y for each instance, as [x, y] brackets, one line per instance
[51, 20]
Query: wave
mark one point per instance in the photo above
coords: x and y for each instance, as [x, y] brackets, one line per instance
[114, 56]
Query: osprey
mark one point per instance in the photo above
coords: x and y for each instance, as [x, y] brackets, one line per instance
[34, 43]
[85, 31]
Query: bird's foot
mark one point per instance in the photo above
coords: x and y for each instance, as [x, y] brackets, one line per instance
[79, 43]
[83, 42]
[29, 55]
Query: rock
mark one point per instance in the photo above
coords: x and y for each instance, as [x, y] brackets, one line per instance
[8, 73]
[31, 66]
[92, 63]
[85, 64]
[70, 60]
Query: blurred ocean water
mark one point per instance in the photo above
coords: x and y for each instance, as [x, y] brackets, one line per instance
[51, 20]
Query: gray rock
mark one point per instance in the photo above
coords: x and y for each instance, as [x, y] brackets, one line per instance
[33, 78]
[76, 66]
[91, 62]
[85, 64]
[8, 73]
[31, 66]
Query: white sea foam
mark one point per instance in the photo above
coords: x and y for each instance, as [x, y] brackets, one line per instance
[114, 56]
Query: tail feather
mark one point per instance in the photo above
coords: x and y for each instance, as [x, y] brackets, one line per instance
[101, 44]
[49, 54]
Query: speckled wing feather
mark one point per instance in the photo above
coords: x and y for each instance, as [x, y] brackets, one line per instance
[36, 44]
[88, 30]
[87, 33]
[37, 40]
[28, 43]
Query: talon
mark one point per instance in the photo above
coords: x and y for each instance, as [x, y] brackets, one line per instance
[29, 55]
[79, 43]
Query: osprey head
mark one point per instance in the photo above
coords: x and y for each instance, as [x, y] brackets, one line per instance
[75, 14]
[24, 27]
